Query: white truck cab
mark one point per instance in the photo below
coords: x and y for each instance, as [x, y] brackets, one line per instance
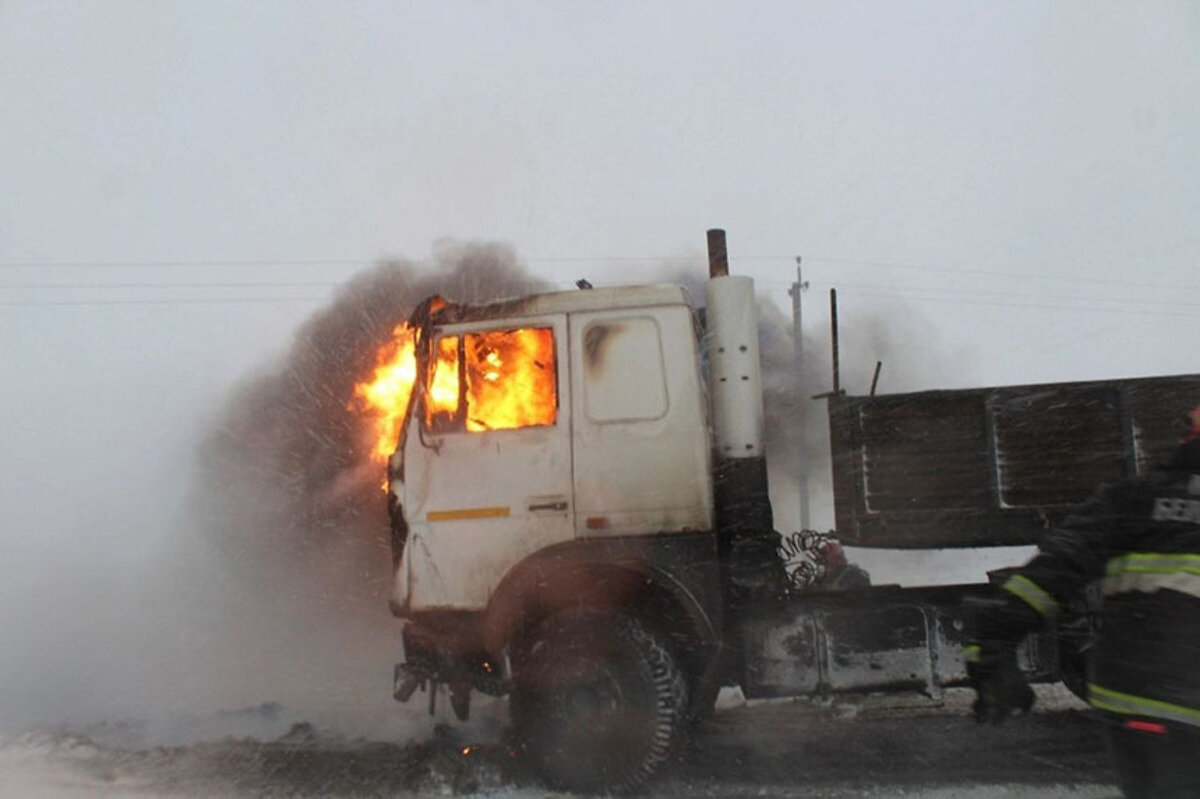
[566, 498]
[565, 416]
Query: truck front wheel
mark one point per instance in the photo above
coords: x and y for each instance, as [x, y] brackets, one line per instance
[598, 702]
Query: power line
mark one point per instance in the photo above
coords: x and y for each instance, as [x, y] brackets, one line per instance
[1073, 302]
[993, 273]
[906, 295]
[181, 301]
[173, 264]
[1069, 298]
[331, 283]
[105, 286]
[352, 261]
[854, 286]
[589, 259]
[1084, 308]
[227, 285]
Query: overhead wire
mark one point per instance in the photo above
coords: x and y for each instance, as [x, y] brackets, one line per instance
[1069, 298]
[957, 295]
[920, 295]
[1025, 305]
[854, 262]
[189, 264]
[156, 301]
[203, 284]
[994, 273]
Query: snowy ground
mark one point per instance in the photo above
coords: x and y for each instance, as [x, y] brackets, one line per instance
[870, 747]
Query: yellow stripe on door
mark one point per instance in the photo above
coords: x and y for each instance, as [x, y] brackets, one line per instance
[466, 513]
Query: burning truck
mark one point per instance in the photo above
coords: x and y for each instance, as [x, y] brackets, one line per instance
[580, 521]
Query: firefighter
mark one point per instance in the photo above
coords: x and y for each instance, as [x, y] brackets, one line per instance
[1140, 539]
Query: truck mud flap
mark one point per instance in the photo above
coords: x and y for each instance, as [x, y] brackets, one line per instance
[883, 639]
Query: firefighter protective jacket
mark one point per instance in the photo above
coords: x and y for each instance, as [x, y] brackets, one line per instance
[1140, 540]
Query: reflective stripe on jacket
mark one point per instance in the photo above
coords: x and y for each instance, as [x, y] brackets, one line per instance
[1148, 572]
[1130, 705]
[1033, 594]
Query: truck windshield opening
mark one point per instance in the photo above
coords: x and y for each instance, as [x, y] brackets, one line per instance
[493, 380]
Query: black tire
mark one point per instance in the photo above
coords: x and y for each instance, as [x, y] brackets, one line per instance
[1073, 657]
[1076, 632]
[598, 702]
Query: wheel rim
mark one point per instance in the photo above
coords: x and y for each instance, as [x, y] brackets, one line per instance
[595, 708]
[596, 719]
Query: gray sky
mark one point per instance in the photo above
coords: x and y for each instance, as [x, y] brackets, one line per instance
[1030, 154]
[1020, 177]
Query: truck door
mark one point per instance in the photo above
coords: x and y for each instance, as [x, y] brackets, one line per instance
[488, 472]
[641, 448]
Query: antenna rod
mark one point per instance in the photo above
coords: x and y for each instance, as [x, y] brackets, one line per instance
[798, 343]
[875, 379]
[833, 329]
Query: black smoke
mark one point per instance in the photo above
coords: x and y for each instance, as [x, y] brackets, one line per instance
[287, 488]
[796, 421]
[290, 510]
[281, 582]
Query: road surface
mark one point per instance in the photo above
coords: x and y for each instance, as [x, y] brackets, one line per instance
[871, 747]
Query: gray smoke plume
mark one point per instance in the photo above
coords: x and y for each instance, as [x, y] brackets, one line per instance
[797, 423]
[291, 508]
[286, 477]
[293, 540]
[797, 441]
[287, 483]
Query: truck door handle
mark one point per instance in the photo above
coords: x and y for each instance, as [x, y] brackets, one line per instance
[556, 505]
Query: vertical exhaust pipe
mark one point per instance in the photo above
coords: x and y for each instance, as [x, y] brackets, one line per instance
[746, 538]
[718, 256]
[735, 373]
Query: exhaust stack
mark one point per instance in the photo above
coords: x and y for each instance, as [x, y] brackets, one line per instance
[746, 537]
[735, 374]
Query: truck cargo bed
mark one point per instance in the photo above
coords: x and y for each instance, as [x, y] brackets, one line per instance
[993, 466]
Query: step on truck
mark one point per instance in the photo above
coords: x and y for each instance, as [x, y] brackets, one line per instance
[580, 519]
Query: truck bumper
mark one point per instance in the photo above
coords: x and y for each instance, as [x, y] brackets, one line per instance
[446, 647]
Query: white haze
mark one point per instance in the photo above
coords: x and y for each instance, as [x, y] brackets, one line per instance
[1003, 194]
[252, 565]
[233, 551]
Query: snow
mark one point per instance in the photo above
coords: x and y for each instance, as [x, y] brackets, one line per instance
[874, 746]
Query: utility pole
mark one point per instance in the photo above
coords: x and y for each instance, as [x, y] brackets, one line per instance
[798, 345]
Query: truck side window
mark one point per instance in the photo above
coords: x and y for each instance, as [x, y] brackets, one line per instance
[624, 379]
[494, 380]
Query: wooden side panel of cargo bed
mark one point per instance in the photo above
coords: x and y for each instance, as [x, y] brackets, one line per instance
[993, 466]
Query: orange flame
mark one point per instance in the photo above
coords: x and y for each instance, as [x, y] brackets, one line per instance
[510, 382]
[384, 397]
[510, 379]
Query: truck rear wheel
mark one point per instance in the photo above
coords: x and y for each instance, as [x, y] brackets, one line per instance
[598, 701]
